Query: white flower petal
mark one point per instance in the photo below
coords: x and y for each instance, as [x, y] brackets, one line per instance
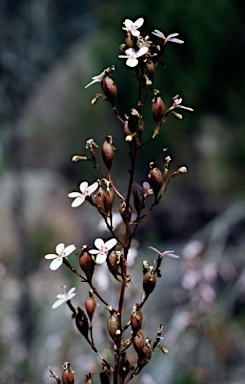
[50, 256]
[159, 34]
[69, 249]
[78, 201]
[71, 291]
[110, 244]
[174, 40]
[74, 194]
[60, 248]
[92, 188]
[99, 243]
[134, 32]
[101, 258]
[56, 263]
[132, 62]
[172, 35]
[139, 22]
[58, 303]
[128, 23]
[142, 51]
[61, 296]
[94, 251]
[83, 186]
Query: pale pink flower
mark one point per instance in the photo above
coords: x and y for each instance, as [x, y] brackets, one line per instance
[61, 252]
[98, 78]
[86, 190]
[133, 27]
[147, 189]
[165, 253]
[177, 104]
[132, 55]
[171, 37]
[64, 297]
[102, 249]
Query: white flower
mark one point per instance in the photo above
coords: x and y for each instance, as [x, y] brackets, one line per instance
[61, 251]
[63, 297]
[177, 104]
[165, 253]
[171, 37]
[133, 27]
[131, 56]
[102, 249]
[86, 190]
[98, 78]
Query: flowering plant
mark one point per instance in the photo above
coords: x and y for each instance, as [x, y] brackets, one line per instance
[139, 200]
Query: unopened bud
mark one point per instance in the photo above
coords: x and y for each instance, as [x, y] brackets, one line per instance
[76, 158]
[149, 281]
[88, 379]
[82, 322]
[67, 375]
[110, 89]
[182, 170]
[108, 152]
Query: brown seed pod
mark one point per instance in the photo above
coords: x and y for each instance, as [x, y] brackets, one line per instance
[113, 325]
[108, 152]
[67, 375]
[109, 89]
[158, 107]
[90, 305]
[100, 200]
[82, 322]
[155, 178]
[149, 281]
[113, 262]
[139, 342]
[110, 196]
[150, 69]
[87, 264]
[136, 320]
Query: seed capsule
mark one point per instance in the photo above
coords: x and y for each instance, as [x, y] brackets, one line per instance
[100, 200]
[150, 69]
[139, 342]
[149, 281]
[110, 89]
[136, 320]
[155, 178]
[158, 107]
[87, 264]
[90, 305]
[82, 322]
[67, 375]
[108, 152]
[113, 325]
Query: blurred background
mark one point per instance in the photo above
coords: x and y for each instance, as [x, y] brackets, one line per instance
[50, 50]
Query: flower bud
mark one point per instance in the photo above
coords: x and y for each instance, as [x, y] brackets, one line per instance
[149, 281]
[88, 379]
[126, 128]
[139, 342]
[136, 320]
[155, 178]
[108, 152]
[90, 305]
[113, 325]
[110, 89]
[105, 376]
[124, 212]
[82, 322]
[86, 263]
[67, 375]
